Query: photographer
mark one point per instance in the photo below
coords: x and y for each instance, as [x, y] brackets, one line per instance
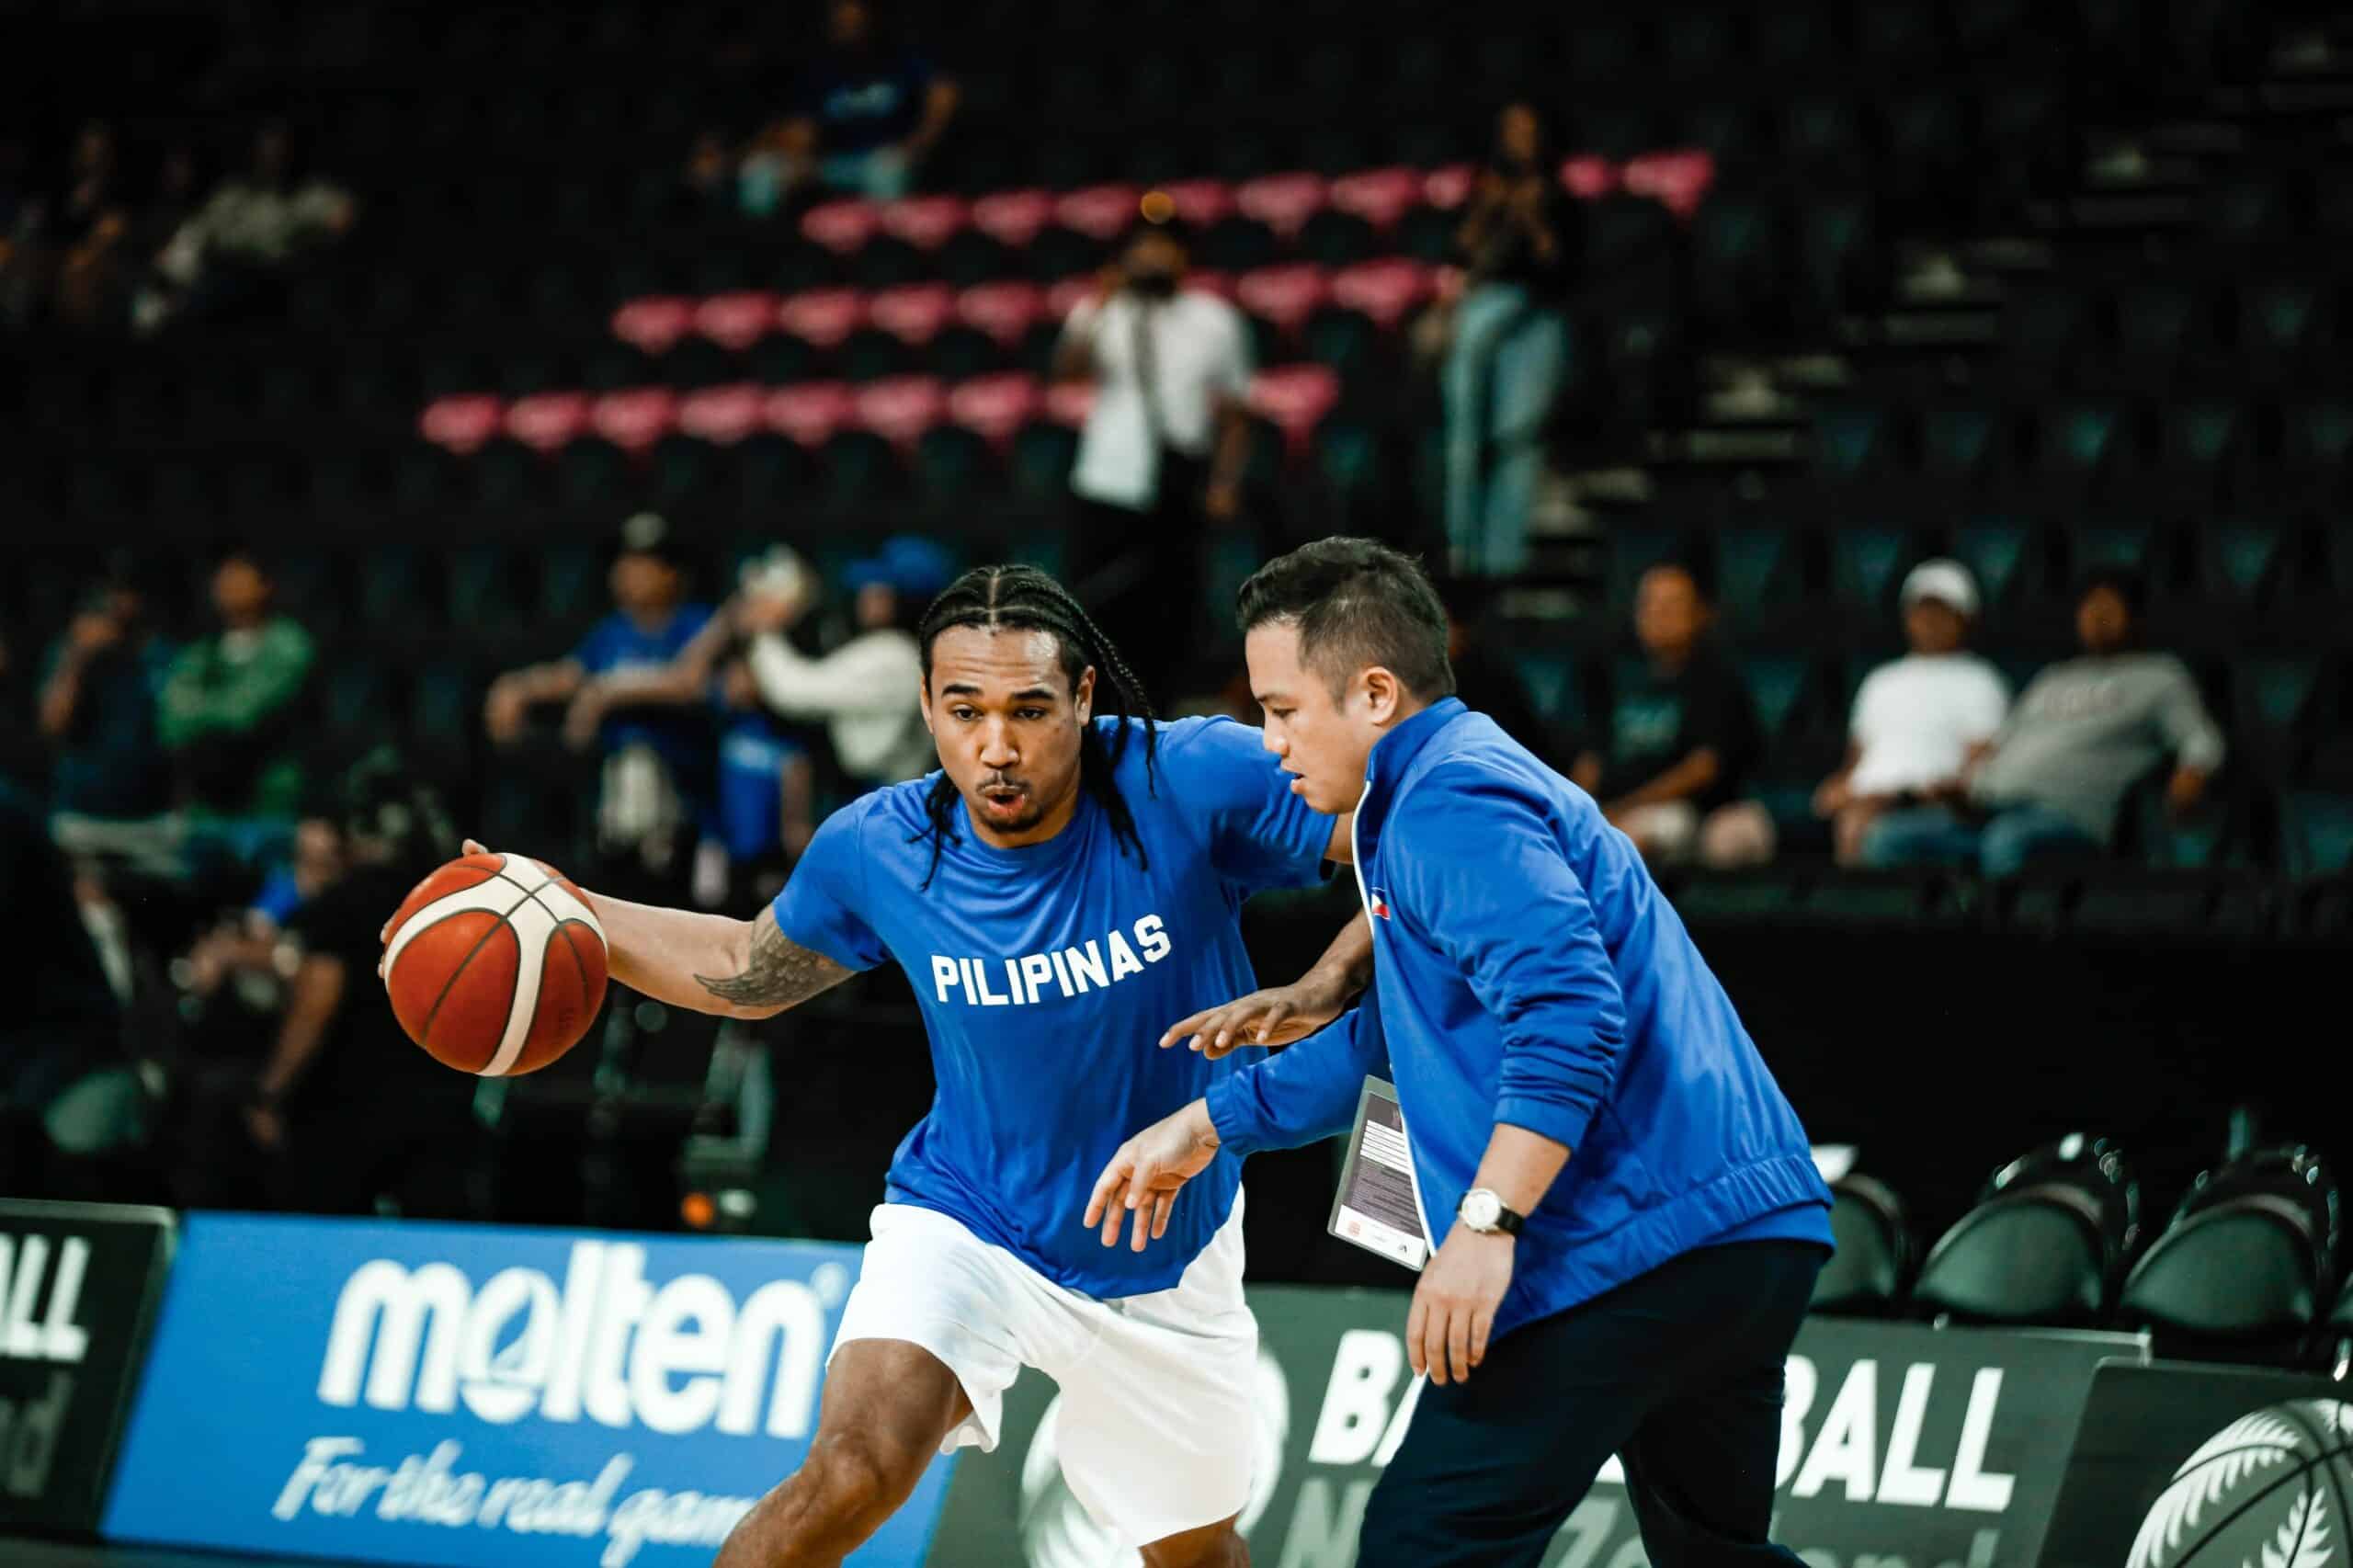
[1162, 454]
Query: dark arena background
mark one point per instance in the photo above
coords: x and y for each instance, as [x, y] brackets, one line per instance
[537, 424]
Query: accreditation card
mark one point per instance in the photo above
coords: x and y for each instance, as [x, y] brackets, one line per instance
[1377, 1207]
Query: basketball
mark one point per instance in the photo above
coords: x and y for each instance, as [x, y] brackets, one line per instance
[2270, 1487]
[495, 965]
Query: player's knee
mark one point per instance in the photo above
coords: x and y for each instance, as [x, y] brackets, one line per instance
[858, 1483]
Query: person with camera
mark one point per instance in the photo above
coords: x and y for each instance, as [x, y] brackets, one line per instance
[1161, 457]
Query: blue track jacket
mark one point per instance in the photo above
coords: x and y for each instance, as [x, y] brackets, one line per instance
[1527, 971]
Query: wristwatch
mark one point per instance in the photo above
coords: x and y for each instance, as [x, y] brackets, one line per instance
[1482, 1212]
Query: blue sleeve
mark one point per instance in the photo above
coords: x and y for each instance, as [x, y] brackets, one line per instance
[1304, 1093]
[1480, 877]
[596, 653]
[1260, 835]
[823, 907]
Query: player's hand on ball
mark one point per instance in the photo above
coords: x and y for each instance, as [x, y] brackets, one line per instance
[1277, 1015]
[1454, 1305]
[1144, 1176]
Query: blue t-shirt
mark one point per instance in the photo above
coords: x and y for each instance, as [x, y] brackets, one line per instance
[866, 101]
[681, 736]
[1046, 975]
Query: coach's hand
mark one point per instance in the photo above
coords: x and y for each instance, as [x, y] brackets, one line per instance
[1144, 1177]
[1277, 1015]
[1454, 1306]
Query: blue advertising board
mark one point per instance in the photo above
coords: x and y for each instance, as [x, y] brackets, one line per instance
[469, 1394]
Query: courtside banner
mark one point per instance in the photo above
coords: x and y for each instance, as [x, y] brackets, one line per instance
[471, 1394]
[1900, 1443]
[2182, 1466]
[78, 1284]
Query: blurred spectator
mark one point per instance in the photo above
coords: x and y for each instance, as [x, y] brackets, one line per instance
[1510, 342]
[2049, 783]
[92, 216]
[62, 1065]
[866, 114]
[110, 788]
[1681, 739]
[866, 690]
[1916, 720]
[656, 744]
[345, 1113]
[1162, 450]
[1486, 679]
[230, 709]
[239, 244]
[153, 227]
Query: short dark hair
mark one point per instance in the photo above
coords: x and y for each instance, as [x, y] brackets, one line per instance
[1356, 602]
[2121, 580]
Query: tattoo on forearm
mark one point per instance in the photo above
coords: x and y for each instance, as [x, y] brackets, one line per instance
[779, 973]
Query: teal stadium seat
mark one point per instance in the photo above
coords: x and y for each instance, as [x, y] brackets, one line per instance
[2319, 833]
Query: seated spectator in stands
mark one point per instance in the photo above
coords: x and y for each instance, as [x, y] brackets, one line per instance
[158, 221]
[345, 1112]
[1485, 680]
[1916, 720]
[1680, 742]
[93, 214]
[228, 714]
[655, 745]
[867, 689]
[1161, 457]
[255, 223]
[111, 787]
[2049, 783]
[866, 113]
[1519, 248]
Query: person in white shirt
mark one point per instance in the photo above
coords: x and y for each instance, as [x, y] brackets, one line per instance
[868, 689]
[1917, 720]
[1162, 452]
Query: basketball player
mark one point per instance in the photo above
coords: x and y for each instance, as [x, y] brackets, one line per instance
[1065, 883]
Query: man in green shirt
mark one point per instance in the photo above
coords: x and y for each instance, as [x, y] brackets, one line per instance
[229, 708]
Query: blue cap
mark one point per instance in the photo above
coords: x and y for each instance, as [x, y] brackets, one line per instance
[915, 567]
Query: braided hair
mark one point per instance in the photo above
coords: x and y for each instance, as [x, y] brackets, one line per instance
[1024, 599]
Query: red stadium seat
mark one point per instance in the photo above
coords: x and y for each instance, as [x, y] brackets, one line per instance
[1286, 296]
[1068, 402]
[722, 415]
[1211, 282]
[634, 419]
[1677, 181]
[1379, 197]
[1282, 202]
[901, 408]
[653, 325]
[925, 222]
[1099, 212]
[995, 407]
[913, 314]
[1013, 218]
[842, 227]
[461, 423]
[822, 316]
[545, 420]
[1004, 311]
[1295, 398]
[1385, 289]
[809, 413]
[1199, 203]
[1064, 296]
[1589, 177]
[1448, 187]
[736, 320]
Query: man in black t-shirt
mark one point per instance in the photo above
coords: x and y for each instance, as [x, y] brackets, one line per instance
[352, 1110]
[1681, 736]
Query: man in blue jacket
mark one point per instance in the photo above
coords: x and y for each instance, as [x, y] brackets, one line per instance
[1631, 1220]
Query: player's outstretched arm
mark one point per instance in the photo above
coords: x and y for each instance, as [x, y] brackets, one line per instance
[741, 969]
[1281, 1014]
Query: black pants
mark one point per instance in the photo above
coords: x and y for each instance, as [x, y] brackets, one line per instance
[1679, 1373]
[1140, 576]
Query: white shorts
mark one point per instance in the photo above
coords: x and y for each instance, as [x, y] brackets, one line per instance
[1155, 1427]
